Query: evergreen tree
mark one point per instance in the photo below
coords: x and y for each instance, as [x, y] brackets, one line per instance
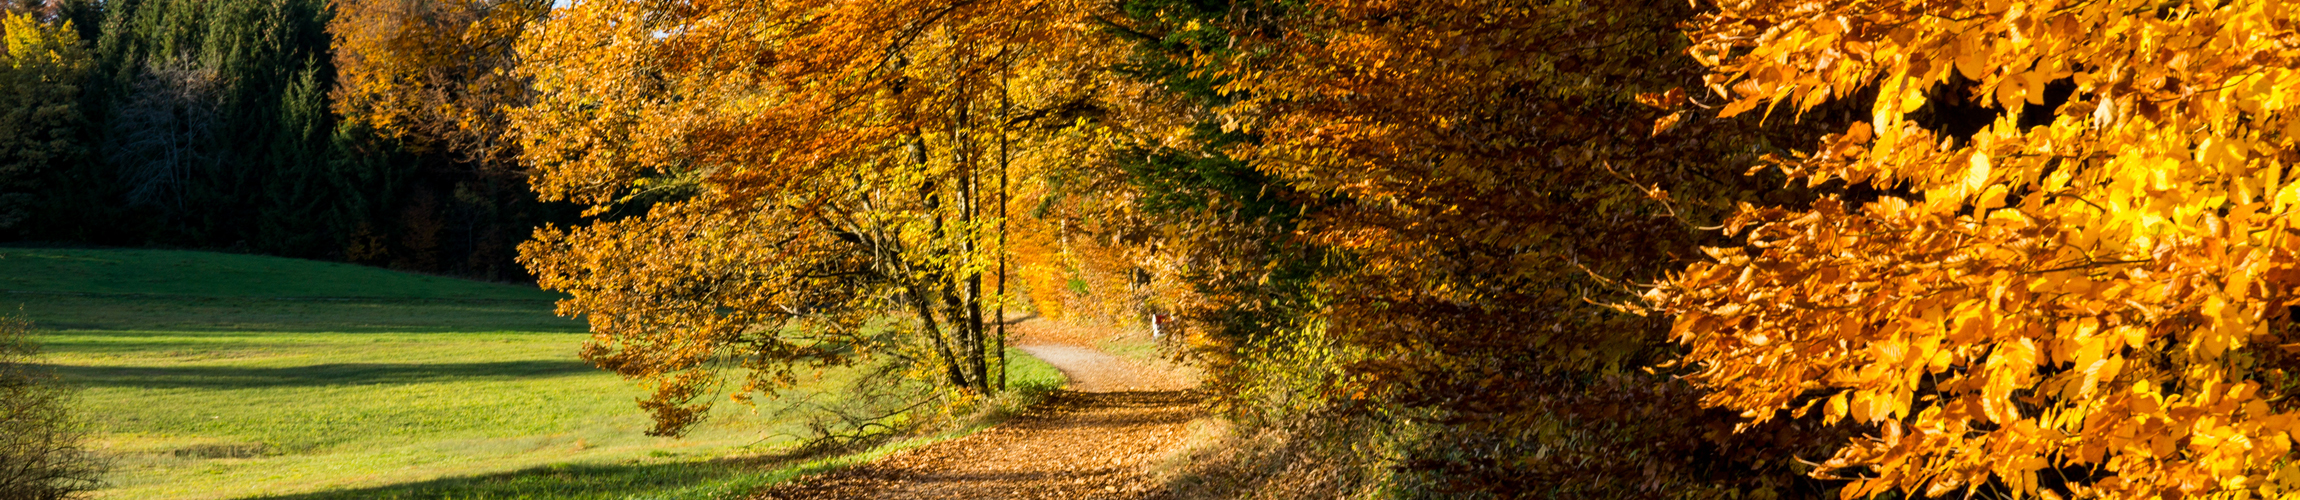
[216, 119]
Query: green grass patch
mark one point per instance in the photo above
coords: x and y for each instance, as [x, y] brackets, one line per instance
[209, 274]
[1029, 378]
[226, 376]
[712, 479]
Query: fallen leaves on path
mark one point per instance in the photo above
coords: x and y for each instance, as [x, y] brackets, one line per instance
[1076, 444]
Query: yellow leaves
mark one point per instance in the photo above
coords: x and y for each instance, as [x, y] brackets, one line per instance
[1991, 199]
[792, 197]
[2073, 247]
[432, 74]
[1976, 175]
[1891, 353]
[54, 53]
[1863, 408]
[2024, 88]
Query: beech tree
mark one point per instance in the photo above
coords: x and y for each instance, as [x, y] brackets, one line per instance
[2067, 266]
[425, 89]
[768, 180]
[434, 74]
[1407, 209]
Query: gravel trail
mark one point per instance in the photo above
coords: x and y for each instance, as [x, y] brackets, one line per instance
[1096, 439]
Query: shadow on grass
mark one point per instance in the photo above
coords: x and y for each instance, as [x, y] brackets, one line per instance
[121, 329]
[225, 377]
[677, 480]
[250, 315]
[713, 479]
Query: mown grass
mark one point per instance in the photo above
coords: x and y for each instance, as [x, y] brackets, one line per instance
[711, 479]
[223, 376]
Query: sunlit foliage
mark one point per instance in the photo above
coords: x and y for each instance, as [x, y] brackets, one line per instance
[435, 74]
[777, 185]
[1407, 209]
[2068, 265]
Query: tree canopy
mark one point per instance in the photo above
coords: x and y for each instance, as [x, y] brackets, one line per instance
[808, 167]
[2072, 274]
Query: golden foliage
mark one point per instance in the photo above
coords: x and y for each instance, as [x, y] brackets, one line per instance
[1431, 195]
[433, 73]
[2085, 293]
[771, 180]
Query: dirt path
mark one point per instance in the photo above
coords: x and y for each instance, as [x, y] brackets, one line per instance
[1097, 439]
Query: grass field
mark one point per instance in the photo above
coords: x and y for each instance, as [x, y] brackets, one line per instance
[226, 376]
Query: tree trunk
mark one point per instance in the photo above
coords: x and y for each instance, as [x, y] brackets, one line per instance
[933, 329]
[967, 157]
[1005, 109]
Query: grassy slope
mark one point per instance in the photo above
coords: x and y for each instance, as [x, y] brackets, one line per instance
[206, 274]
[218, 376]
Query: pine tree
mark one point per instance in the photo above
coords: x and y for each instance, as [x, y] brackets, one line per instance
[204, 121]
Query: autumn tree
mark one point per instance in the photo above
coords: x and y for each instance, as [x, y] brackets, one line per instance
[425, 91]
[434, 74]
[41, 122]
[2065, 267]
[1438, 190]
[768, 181]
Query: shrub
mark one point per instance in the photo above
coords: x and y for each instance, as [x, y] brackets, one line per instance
[42, 456]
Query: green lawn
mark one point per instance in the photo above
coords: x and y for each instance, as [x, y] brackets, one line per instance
[226, 376]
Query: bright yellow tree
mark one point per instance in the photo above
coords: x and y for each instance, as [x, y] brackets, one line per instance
[2065, 264]
[784, 185]
[41, 68]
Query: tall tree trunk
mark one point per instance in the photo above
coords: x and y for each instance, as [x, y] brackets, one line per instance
[937, 283]
[967, 351]
[963, 301]
[1005, 110]
[967, 163]
[925, 307]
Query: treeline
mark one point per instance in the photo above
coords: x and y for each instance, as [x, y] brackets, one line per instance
[223, 125]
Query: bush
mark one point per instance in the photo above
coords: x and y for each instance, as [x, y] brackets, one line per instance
[41, 452]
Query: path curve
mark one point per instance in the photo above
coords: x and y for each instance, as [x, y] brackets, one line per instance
[1091, 370]
[1098, 438]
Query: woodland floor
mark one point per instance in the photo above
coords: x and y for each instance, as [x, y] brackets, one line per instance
[1098, 438]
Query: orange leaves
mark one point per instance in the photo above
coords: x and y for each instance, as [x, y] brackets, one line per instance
[1943, 339]
[2097, 245]
[432, 73]
[774, 183]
